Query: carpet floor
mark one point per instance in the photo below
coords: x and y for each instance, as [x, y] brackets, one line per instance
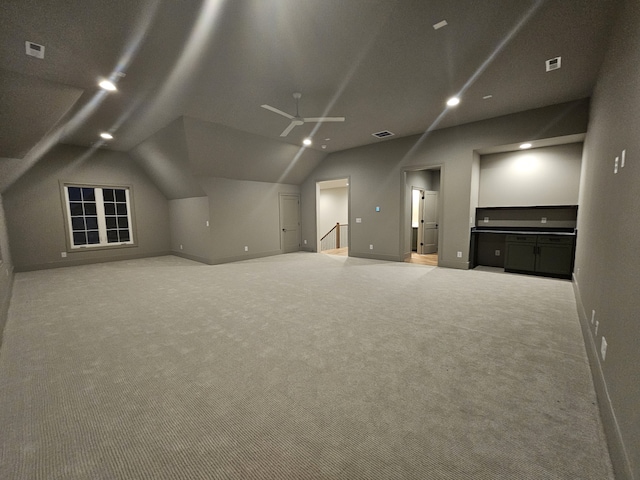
[298, 366]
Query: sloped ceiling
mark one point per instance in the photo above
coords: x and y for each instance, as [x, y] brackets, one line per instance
[52, 100]
[379, 63]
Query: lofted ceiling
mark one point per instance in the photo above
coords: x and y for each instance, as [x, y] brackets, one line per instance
[213, 63]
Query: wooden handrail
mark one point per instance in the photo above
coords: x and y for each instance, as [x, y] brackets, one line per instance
[336, 227]
[327, 234]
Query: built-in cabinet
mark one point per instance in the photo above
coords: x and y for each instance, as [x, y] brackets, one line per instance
[532, 240]
[550, 254]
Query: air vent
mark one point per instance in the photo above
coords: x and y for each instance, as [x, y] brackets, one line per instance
[553, 63]
[383, 134]
[34, 50]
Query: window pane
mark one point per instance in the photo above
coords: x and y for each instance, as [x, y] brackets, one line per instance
[112, 236]
[107, 194]
[88, 194]
[75, 194]
[92, 223]
[90, 209]
[93, 226]
[79, 238]
[120, 196]
[76, 209]
[77, 223]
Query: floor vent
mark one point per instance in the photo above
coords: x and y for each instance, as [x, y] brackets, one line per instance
[553, 63]
[383, 134]
[34, 50]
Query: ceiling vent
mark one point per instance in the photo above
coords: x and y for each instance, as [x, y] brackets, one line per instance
[553, 63]
[383, 134]
[34, 50]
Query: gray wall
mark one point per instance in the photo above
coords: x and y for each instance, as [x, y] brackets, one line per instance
[540, 176]
[6, 270]
[377, 179]
[190, 235]
[607, 273]
[240, 213]
[35, 211]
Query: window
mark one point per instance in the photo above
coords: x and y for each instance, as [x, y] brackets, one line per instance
[98, 216]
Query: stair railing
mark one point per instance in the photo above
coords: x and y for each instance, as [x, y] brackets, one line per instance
[332, 239]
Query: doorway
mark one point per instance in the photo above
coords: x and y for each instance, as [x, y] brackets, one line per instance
[289, 223]
[332, 213]
[424, 232]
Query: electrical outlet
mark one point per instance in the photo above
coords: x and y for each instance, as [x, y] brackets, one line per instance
[597, 325]
[497, 253]
[544, 220]
[459, 254]
[63, 254]
[358, 220]
[207, 223]
[486, 219]
[246, 248]
[371, 247]
[603, 348]
[180, 246]
[593, 316]
[305, 242]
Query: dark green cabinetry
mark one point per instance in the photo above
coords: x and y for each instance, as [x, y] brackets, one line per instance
[540, 254]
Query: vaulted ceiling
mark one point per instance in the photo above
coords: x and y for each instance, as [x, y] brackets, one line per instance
[209, 65]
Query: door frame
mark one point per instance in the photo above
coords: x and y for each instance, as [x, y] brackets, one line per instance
[280, 215]
[405, 209]
[318, 232]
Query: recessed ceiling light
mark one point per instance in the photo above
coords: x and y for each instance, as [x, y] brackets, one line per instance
[453, 101]
[107, 85]
[106, 136]
[524, 146]
[487, 97]
[324, 146]
[439, 25]
[307, 141]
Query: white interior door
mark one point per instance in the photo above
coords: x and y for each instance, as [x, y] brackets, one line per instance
[289, 223]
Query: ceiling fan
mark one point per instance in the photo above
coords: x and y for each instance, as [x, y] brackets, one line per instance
[297, 120]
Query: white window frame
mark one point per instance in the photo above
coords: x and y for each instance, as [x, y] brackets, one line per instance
[101, 216]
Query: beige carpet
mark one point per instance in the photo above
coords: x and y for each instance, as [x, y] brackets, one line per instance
[299, 366]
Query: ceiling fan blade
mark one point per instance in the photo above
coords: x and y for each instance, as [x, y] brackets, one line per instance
[279, 112]
[289, 128]
[324, 119]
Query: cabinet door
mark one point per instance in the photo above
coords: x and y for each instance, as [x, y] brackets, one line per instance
[521, 253]
[555, 255]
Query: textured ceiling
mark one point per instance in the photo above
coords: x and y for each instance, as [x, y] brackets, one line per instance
[380, 64]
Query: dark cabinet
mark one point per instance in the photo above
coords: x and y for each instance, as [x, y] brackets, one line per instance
[542, 254]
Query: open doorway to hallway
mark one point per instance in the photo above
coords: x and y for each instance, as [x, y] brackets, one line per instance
[424, 208]
[332, 206]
